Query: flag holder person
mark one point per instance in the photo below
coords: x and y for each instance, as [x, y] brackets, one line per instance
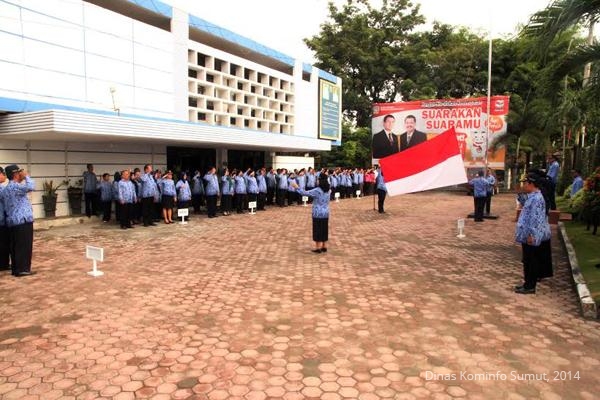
[320, 212]
[533, 232]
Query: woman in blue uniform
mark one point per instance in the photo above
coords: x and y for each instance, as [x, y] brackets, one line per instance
[184, 192]
[226, 192]
[169, 196]
[320, 212]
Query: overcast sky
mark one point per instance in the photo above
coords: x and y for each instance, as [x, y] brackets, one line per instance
[282, 24]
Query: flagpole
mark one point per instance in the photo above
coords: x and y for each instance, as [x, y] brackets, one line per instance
[489, 99]
[373, 166]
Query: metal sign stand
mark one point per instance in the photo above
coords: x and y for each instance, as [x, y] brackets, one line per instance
[95, 254]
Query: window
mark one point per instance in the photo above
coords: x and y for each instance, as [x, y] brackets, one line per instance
[201, 116]
[233, 69]
[218, 64]
[232, 121]
[192, 102]
[192, 73]
[210, 105]
[210, 78]
[201, 60]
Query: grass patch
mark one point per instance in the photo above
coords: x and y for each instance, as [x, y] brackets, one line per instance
[586, 247]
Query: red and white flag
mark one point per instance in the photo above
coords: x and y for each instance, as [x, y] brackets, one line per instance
[429, 165]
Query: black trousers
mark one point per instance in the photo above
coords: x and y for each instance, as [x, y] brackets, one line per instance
[252, 197]
[240, 199]
[117, 210]
[262, 197]
[488, 202]
[552, 194]
[126, 215]
[21, 247]
[147, 205]
[226, 203]
[4, 248]
[281, 195]
[106, 210]
[211, 205]
[380, 199]
[90, 204]
[270, 195]
[479, 206]
[197, 202]
[533, 260]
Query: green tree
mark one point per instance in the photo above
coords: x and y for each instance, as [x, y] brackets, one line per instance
[365, 46]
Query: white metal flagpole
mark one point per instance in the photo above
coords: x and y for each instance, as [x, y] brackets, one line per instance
[489, 100]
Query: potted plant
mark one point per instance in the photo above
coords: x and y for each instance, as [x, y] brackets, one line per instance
[75, 195]
[49, 197]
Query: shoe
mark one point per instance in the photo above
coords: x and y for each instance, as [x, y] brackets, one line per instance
[523, 290]
[26, 273]
[519, 287]
[324, 250]
[152, 224]
[316, 250]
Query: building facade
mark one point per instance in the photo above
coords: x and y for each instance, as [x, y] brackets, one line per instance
[120, 83]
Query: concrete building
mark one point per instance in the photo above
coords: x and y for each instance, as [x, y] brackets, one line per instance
[122, 83]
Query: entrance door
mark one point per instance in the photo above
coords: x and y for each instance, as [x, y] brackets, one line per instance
[244, 159]
[190, 159]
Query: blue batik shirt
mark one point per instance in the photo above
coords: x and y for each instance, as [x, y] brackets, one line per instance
[532, 220]
[333, 181]
[252, 185]
[355, 179]
[148, 186]
[240, 185]
[127, 192]
[480, 186]
[290, 188]
[320, 208]
[262, 184]
[198, 188]
[106, 191]
[2, 215]
[227, 185]
[553, 171]
[183, 190]
[168, 187]
[361, 178]
[115, 190]
[271, 180]
[212, 185]
[17, 208]
[380, 182]
[301, 181]
[283, 183]
[311, 180]
[90, 182]
[491, 182]
[577, 185]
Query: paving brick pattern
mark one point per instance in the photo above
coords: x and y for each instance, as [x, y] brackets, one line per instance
[239, 308]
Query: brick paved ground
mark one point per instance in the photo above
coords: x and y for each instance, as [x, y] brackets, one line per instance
[238, 307]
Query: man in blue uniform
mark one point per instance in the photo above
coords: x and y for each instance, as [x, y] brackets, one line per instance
[127, 198]
[480, 185]
[381, 191]
[491, 179]
[552, 173]
[90, 188]
[4, 236]
[148, 192]
[19, 219]
[211, 191]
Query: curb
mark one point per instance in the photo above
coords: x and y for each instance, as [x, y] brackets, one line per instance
[43, 224]
[588, 305]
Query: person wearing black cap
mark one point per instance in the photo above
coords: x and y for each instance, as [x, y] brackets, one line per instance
[19, 218]
[4, 236]
[533, 232]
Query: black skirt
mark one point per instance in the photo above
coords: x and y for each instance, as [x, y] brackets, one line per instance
[320, 229]
[168, 202]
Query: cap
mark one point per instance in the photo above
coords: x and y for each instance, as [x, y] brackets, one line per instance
[11, 169]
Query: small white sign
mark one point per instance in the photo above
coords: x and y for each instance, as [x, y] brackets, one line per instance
[358, 193]
[252, 204]
[183, 212]
[305, 199]
[337, 195]
[94, 253]
[461, 226]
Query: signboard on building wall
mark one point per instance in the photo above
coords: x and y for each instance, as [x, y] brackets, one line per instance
[330, 110]
[468, 117]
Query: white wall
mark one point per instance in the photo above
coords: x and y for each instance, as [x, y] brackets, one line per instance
[291, 163]
[58, 161]
[71, 53]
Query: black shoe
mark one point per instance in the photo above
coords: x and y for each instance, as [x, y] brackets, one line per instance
[26, 273]
[324, 250]
[519, 287]
[523, 290]
[152, 224]
[316, 250]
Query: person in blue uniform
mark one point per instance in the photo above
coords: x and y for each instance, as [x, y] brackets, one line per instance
[252, 188]
[291, 189]
[212, 192]
[552, 173]
[184, 192]
[148, 192]
[127, 198]
[480, 185]
[227, 190]
[577, 182]
[381, 191]
[491, 180]
[320, 212]
[197, 192]
[169, 196]
[533, 232]
[271, 186]
[240, 191]
[90, 182]
[282, 186]
[19, 218]
[115, 195]
[4, 236]
[261, 180]
[106, 197]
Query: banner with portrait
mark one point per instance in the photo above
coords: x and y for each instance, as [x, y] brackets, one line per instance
[398, 126]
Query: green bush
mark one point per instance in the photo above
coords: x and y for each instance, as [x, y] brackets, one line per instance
[567, 192]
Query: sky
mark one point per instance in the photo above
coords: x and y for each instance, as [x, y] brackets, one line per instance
[282, 24]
